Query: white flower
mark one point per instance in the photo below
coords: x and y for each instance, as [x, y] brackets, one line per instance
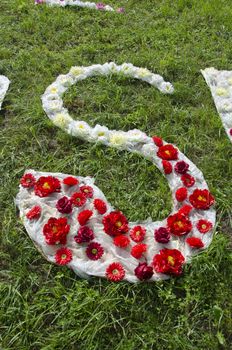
[100, 133]
[76, 71]
[137, 136]
[62, 120]
[143, 73]
[117, 139]
[166, 88]
[79, 129]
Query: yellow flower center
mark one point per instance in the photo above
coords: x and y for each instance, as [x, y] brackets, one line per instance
[46, 186]
[171, 260]
[94, 251]
[180, 224]
[201, 198]
[137, 233]
[63, 256]
[204, 226]
[115, 272]
[101, 133]
[167, 152]
[54, 229]
[118, 223]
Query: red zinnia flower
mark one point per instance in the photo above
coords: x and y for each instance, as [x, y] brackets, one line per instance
[115, 272]
[56, 230]
[179, 224]
[181, 194]
[169, 261]
[168, 152]
[201, 199]
[28, 180]
[186, 209]
[100, 206]
[143, 271]
[157, 141]
[121, 241]
[94, 251]
[204, 226]
[181, 167]
[195, 242]
[46, 185]
[63, 256]
[84, 216]
[78, 199]
[115, 223]
[84, 234]
[167, 167]
[70, 181]
[188, 180]
[138, 250]
[137, 233]
[87, 191]
[34, 213]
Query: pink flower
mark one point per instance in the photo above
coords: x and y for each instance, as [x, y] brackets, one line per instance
[100, 6]
[121, 10]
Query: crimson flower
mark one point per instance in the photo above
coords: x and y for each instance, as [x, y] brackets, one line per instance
[195, 242]
[100, 206]
[87, 191]
[64, 205]
[78, 199]
[162, 235]
[188, 180]
[137, 233]
[63, 256]
[47, 185]
[56, 230]
[168, 152]
[28, 180]
[84, 234]
[204, 226]
[179, 224]
[157, 141]
[34, 213]
[169, 261]
[181, 167]
[94, 251]
[115, 223]
[121, 241]
[201, 199]
[115, 272]
[186, 209]
[84, 216]
[70, 181]
[143, 271]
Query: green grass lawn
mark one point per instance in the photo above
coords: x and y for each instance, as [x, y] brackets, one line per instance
[46, 307]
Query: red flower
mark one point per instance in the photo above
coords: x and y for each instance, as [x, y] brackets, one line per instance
[162, 235]
[63, 256]
[87, 191]
[169, 261]
[204, 226]
[70, 181]
[78, 199]
[46, 185]
[115, 223]
[181, 167]
[84, 235]
[179, 224]
[157, 141]
[181, 194]
[167, 167]
[143, 271]
[115, 272]
[186, 209]
[201, 199]
[94, 251]
[28, 180]
[188, 180]
[121, 241]
[84, 216]
[137, 233]
[56, 230]
[195, 242]
[34, 213]
[64, 205]
[100, 206]
[168, 152]
[138, 250]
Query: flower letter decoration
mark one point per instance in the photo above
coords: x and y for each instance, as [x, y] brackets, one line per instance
[4, 85]
[220, 84]
[72, 223]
